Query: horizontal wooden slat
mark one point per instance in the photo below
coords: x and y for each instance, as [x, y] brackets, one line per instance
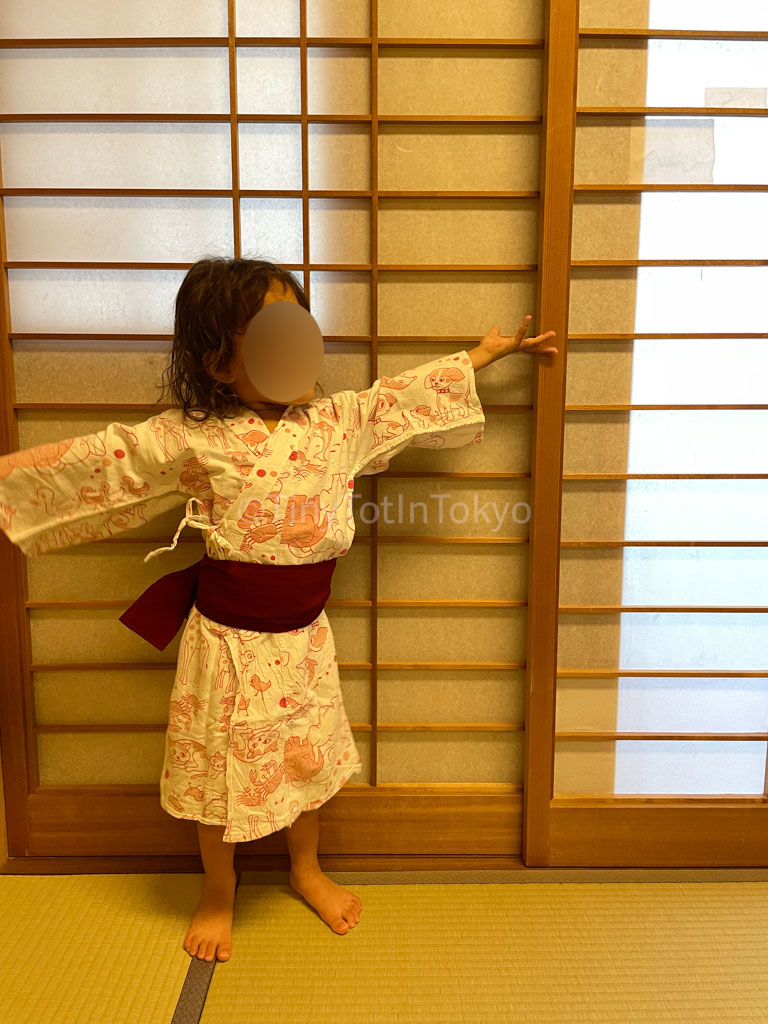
[663, 543]
[96, 407]
[111, 265]
[467, 821]
[672, 111]
[355, 726]
[664, 476]
[577, 736]
[609, 609]
[596, 737]
[269, 118]
[338, 338]
[410, 267]
[671, 187]
[312, 193]
[351, 603]
[439, 666]
[381, 41]
[677, 673]
[588, 609]
[286, 41]
[666, 33]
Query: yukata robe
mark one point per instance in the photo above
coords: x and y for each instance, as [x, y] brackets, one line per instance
[257, 732]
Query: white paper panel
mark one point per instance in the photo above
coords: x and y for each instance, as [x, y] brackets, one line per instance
[449, 508]
[268, 80]
[117, 80]
[695, 372]
[449, 81]
[692, 705]
[125, 155]
[450, 695]
[485, 19]
[103, 697]
[339, 156]
[655, 300]
[125, 228]
[88, 18]
[458, 231]
[272, 229]
[432, 303]
[673, 226]
[663, 640]
[665, 510]
[450, 757]
[96, 301]
[104, 572]
[339, 80]
[352, 575]
[478, 158]
[744, 16]
[662, 704]
[104, 759]
[452, 634]
[663, 767]
[680, 73]
[667, 576]
[61, 636]
[461, 572]
[672, 150]
[270, 156]
[267, 17]
[341, 301]
[93, 301]
[351, 628]
[324, 18]
[340, 230]
[667, 441]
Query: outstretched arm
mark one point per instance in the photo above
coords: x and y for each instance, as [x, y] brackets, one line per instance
[494, 345]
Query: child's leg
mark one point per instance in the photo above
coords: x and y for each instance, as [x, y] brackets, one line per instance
[337, 906]
[210, 933]
[218, 856]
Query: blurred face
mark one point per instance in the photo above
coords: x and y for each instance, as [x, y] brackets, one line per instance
[236, 376]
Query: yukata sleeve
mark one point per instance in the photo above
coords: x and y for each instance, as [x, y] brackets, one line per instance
[93, 486]
[434, 405]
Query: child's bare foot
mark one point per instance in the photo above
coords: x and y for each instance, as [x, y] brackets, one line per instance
[210, 933]
[337, 906]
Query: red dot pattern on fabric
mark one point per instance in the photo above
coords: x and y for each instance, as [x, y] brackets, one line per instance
[351, 483]
[119, 453]
[261, 472]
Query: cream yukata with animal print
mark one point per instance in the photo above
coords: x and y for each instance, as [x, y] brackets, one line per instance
[257, 732]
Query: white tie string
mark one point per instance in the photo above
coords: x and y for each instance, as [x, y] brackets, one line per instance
[199, 520]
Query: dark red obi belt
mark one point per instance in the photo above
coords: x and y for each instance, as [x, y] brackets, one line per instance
[247, 595]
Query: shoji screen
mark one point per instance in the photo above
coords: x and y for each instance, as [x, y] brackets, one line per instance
[662, 695]
[388, 154]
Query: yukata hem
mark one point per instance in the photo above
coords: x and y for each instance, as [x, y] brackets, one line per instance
[288, 820]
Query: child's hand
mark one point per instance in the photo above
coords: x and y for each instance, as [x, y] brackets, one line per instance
[496, 345]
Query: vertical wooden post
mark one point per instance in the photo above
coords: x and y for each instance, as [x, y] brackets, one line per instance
[559, 76]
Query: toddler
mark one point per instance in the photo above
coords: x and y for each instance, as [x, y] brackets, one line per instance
[257, 738]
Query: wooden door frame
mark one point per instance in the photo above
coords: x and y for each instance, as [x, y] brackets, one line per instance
[592, 831]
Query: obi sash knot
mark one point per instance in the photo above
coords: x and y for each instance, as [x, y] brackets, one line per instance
[246, 595]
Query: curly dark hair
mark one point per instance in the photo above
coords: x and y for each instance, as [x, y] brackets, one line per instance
[217, 297]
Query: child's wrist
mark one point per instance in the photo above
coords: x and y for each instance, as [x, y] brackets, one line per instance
[480, 357]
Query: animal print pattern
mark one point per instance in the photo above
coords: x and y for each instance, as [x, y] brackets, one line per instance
[257, 731]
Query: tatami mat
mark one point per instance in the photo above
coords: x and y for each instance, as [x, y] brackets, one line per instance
[535, 954]
[108, 949]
